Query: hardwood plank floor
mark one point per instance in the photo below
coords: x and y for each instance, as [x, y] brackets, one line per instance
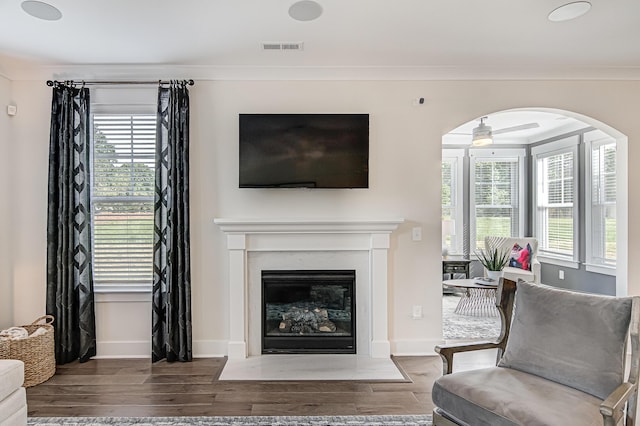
[135, 387]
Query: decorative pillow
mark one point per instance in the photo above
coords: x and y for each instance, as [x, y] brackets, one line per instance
[575, 339]
[521, 257]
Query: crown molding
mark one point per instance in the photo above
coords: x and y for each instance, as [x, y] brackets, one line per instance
[18, 71]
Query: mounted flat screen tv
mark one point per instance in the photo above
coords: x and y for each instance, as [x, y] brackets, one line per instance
[304, 150]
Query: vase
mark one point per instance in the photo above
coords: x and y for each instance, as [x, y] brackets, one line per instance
[495, 275]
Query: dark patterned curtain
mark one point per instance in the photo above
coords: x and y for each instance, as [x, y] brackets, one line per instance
[171, 315]
[69, 270]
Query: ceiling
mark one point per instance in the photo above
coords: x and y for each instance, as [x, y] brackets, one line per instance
[400, 39]
[543, 125]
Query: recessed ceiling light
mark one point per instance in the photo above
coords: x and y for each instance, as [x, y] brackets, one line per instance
[41, 10]
[305, 10]
[569, 11]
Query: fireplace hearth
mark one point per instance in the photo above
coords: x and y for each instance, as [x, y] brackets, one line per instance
[308, 311]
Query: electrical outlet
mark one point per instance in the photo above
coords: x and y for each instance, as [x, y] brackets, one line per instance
[416, 312]
[561, 274]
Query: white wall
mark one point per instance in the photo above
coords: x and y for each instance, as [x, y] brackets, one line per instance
[6, 289]
[29, 168]
[404, 182]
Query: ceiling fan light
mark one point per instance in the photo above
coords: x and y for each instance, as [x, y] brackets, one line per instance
[481, 135]
[483, 141]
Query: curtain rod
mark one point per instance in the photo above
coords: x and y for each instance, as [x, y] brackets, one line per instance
[51, 83]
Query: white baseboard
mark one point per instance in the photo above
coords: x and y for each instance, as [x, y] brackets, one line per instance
[218, 348]
[209, 348]
[414, 347]
[123, 349]
[142, 349]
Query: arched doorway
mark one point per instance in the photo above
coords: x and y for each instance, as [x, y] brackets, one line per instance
[524, 141]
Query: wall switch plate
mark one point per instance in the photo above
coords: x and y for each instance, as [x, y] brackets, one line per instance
[416, 312]
[12, 110]
[416, 234]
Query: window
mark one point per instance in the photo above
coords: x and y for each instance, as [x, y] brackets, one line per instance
[556, 213]
[601, 202]
[497, 208]
[123, 175]
[452, 193]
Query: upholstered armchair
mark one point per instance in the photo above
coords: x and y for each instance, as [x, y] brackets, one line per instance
[561, 361]
[523, 252]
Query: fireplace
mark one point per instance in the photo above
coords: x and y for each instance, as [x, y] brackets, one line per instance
[256, 245]
[308, 311]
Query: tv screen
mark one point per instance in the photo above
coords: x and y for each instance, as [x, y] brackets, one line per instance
[304, 150]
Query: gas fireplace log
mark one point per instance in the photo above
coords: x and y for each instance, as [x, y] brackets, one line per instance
[305, 321]
[326, 327]
[285, 326]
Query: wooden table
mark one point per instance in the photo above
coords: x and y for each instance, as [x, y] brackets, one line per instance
[478, 299]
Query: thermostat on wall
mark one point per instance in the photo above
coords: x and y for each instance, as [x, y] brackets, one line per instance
[12, 110]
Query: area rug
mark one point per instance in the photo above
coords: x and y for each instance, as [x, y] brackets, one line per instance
[464, 327]
[408, 420]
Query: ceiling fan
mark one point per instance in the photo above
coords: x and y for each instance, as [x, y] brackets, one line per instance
[482, 135]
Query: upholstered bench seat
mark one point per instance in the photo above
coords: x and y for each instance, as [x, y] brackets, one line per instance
[500, 396]
[13, 400]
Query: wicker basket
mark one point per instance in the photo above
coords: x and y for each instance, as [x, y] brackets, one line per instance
[4, 349]
[37, 352]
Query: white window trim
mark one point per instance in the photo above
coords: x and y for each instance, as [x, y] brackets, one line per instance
[558, 261]
[601, 269]
[120, 296]
[458, 156]
[568, 144]
[590, 139]
[139, 101]
[476, 154]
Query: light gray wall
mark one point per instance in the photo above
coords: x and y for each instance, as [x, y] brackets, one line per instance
[406, 143]
[6, 288]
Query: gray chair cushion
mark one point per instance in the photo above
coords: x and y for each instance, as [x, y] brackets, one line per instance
[499, 396]
[575, 339]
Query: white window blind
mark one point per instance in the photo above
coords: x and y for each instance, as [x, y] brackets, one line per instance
[601, 247]
[556, 212]
[452, 203]
[495, 196]
[449, 202]
[123, 175]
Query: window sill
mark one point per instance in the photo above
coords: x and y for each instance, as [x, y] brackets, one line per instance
[559, 262]
[601, 269]
[106, 294]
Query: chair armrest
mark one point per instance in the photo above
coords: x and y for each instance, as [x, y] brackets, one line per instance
[446, 352]
[536, 268]
[615, 401]
[504, 302]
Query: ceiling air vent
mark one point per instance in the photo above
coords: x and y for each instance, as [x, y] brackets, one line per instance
[283, 46]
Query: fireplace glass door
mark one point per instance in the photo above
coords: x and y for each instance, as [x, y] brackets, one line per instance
[308, 311]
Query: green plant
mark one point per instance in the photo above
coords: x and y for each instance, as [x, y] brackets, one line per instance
[493, 260]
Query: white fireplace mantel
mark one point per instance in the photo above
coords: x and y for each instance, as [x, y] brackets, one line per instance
[371, 236]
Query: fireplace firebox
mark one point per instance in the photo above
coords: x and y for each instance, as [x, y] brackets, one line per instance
[308, 311]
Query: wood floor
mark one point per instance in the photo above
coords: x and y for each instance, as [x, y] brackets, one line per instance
[135, 387]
